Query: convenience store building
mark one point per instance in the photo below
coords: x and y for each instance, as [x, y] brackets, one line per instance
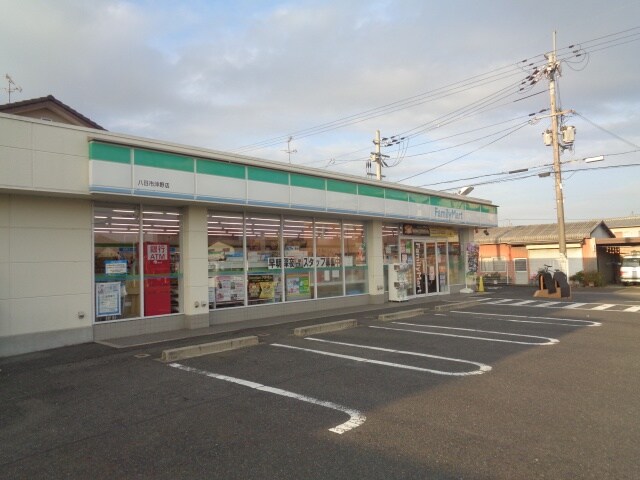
[106, 235]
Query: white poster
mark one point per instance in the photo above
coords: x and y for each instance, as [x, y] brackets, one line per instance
[108, 299]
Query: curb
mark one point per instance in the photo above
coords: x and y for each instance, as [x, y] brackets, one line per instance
[325, 327]
[451, 306]
[386, 317]
[207, 348]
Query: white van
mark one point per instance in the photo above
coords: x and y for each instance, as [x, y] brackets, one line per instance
[630, 269]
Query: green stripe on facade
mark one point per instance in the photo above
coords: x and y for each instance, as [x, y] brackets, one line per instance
[441, 202]
[221, 169]
[109, 153]
[489, 209]
[149, 158]
[396, 195]
[371, 191]
[307, 181]
[474, 207]
[419, 198]
[265, 175]
[342, 187]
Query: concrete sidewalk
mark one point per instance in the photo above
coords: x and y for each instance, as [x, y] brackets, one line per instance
[433, 302]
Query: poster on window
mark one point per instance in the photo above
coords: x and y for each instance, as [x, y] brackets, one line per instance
[473, 252]
[229, 288]
[298, 286]
[108, 299]
[261, 287]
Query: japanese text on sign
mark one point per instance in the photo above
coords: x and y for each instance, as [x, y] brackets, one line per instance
[303, 262]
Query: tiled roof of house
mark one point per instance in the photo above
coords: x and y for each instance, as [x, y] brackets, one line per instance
[532, 234]
[19, 106]
[623, 222]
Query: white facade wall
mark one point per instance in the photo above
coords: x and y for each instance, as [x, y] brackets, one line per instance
[45, 271]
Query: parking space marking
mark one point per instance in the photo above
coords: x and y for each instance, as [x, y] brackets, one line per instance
[483, 368]
[604, 306]
[550, 341]
[356, 418]
[524, 302]
[514, 302]
[585, 323]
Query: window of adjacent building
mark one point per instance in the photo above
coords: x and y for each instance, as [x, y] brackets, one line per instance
[355, 258]
[299, 258]
[493, 264]
[263, 236]
[328, 235]
[136, 261]
[226, 260]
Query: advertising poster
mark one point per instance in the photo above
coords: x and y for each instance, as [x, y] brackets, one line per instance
[261, 288]
[108, 299]
[298, 286]
[229, 289]
[115, 267]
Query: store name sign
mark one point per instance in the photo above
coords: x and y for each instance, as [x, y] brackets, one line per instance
[448, 214]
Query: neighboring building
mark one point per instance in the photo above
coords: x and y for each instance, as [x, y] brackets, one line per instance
[106, 235]
[514, 254]
[49, 109]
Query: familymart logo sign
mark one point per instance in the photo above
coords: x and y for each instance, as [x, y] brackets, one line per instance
[448, 214]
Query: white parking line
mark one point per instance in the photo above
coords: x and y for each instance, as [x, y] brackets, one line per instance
[575, 305]
[604, 306]
[483, 368]
[497, 302]
[356, 418]
[524, 302]
[587, 323]
[632, 309]
[550, 341]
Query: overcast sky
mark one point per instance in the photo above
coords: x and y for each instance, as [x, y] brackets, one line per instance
[447, 76]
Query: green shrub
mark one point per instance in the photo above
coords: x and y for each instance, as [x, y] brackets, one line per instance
[578, 277]
[594, 278]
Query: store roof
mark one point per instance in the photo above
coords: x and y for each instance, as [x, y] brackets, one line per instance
[546, 233]
[52, 104]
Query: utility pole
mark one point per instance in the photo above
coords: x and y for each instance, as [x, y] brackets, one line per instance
[377, 157]
[551, 70]
[288, 150]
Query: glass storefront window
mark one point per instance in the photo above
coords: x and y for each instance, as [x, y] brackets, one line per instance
[226, 260]
[263, 235]
[328, 258]
[355, 258]
[116, 232]
[130, 242]
[299, 259]
[390, 253]
[456, 264]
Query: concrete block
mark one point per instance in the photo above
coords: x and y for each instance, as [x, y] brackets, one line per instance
[190, 351]
[387, 317]
[325, 327]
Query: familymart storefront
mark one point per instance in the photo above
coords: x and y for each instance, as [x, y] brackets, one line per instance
[164, 237]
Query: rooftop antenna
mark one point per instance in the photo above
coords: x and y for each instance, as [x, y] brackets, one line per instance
[288, 150]
[12, 87]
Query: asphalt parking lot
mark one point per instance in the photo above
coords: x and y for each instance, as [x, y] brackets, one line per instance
[511, 387]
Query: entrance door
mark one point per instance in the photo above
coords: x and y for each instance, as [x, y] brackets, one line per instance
[430, 267]
[419, 267]
[521, 270]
